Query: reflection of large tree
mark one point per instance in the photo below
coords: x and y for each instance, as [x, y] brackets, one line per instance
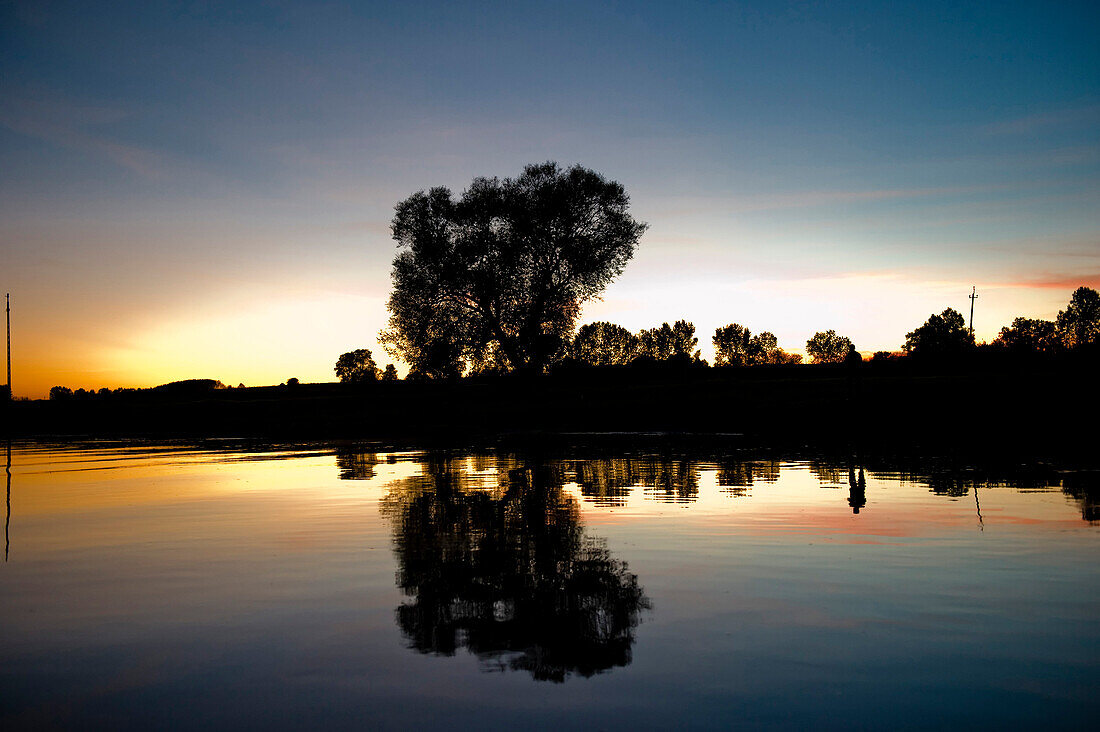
[509, 573]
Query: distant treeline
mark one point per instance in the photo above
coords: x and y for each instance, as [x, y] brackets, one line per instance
[187, 387]
[493, 280]
[944, 337]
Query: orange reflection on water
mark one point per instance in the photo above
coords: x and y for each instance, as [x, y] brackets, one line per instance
[142, 571]
[795, 501]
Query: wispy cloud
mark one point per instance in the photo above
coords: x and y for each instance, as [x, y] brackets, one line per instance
[1084, 246]
[1052, 281]
[378, 228]
[812, 199]
[1046, 280]
[1088, 115]
[73, 125]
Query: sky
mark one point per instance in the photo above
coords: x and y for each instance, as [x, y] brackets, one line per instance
[204, 189]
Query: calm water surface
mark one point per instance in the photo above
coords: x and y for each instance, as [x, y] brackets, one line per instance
[350, 587]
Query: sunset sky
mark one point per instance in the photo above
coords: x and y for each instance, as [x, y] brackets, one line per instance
[203, 190]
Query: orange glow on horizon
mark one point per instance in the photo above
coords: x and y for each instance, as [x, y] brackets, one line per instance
[263, 340]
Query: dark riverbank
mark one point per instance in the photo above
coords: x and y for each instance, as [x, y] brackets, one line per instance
[1035, 408]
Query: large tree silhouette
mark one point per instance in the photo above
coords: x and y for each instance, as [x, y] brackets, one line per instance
[505, 267]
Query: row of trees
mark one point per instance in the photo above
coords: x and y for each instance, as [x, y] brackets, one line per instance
[358, 367]
[187, 387]
[1076, 327]
[494, 280]
[942, 336]
[608, 344]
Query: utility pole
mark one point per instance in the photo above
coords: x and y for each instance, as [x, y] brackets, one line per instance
[974, 296]
[7, 309]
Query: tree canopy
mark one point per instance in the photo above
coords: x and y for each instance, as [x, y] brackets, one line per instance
[669, 341]
[356, 367]
[735, 345]
[1079, 324]
[945, 334]
[604, 344]
[500, 273]
[732, 345]
[828, 347]
[1027, 335]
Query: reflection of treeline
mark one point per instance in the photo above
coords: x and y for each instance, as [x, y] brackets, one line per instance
[610, 481]
[943, 478]
[356, 464]
[736, 477]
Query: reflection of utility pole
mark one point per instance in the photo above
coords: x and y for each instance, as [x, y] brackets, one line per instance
[977, 506]
[7, 517]
[973, 297]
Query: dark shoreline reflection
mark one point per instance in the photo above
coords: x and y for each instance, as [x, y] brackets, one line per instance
[503, 567]
[1084, 488]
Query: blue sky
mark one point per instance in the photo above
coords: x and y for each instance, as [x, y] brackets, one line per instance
[204, 189]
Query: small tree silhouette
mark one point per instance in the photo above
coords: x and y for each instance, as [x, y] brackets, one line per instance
[941, 335]
[1026, 335]
[60, 393]
[735, 345]
[356, 367]
[1079, 324]
[828, 347]
[665, 342]
[604, 344]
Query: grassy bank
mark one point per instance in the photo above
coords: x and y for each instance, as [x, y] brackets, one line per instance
[1034, 407]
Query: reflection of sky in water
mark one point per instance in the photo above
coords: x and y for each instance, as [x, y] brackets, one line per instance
[172, 587]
